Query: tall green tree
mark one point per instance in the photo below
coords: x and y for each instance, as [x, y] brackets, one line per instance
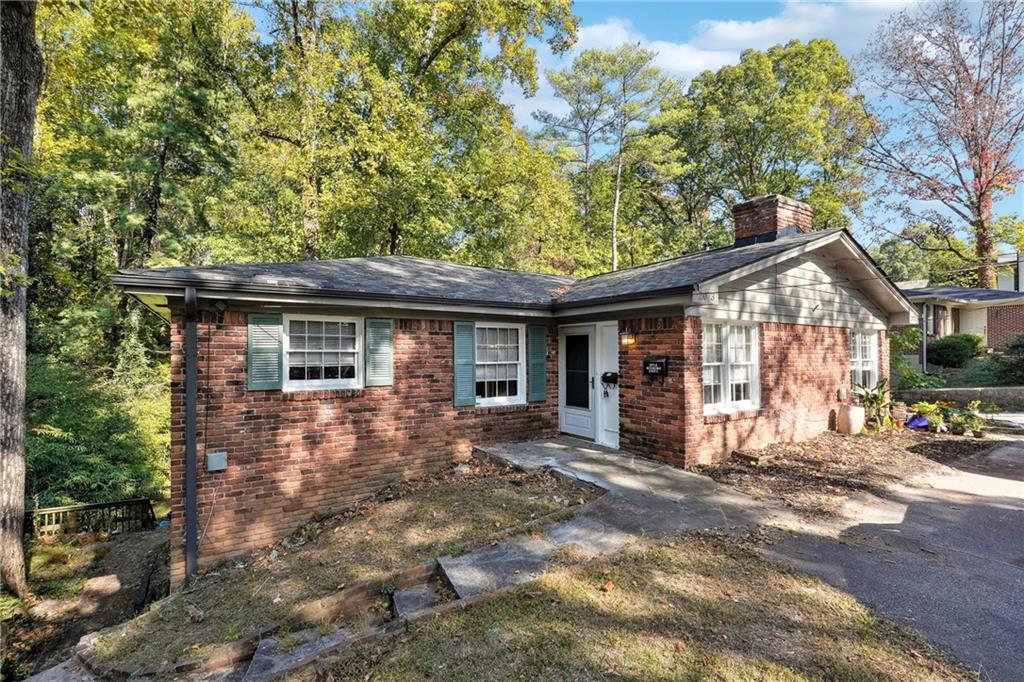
[612, 95]
[583, 131]
[21, 70]
[781, 121]
[638, 90]
[400, 97]
[132, 143]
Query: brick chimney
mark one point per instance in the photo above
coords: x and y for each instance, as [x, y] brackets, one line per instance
[768, 217]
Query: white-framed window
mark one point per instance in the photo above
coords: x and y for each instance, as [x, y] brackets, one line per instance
[322, 352]
[500, 364]
[730, 368]
[863, 358]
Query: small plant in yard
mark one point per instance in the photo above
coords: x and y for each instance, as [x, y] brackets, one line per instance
[875, 401]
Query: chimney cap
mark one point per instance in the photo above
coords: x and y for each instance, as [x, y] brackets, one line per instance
[769, 199]
[770, 216]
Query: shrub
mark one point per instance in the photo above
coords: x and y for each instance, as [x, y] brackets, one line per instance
[93, 438]
[1010, 365]
[955, 350]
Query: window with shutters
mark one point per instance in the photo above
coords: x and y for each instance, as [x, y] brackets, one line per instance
[500, 364]
[730, 372]
[322, 352]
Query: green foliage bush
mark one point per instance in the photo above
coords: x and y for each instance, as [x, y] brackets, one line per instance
[1010, 365]
[96, 439]
[955, 350]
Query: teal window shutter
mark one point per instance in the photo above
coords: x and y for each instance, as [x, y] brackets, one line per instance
[264, 365]
[465, 364]
[380, 341]
[537, 362]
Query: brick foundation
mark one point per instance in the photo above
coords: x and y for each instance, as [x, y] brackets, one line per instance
[296, 456]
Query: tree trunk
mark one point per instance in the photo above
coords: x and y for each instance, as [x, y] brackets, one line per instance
[615, 209]
[586, 186]
[311, 217]
[395, 240]
[984, 247]
[21, 72]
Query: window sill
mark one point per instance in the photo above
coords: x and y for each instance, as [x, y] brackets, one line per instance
[724, 416]
[321, 393]
[497, 409]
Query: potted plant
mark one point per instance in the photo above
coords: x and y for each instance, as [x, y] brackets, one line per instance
[958, 425]
[899, 414]
[875, 402]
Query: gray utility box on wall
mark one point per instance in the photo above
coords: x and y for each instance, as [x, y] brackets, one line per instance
[216, 460]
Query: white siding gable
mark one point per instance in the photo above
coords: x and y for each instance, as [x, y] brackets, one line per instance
[807, 289]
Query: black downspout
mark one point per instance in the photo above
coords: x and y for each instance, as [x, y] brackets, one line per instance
[191, 393]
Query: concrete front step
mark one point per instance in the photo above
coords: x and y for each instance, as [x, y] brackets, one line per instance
[410, 601]
[512, 562]
[276, 656]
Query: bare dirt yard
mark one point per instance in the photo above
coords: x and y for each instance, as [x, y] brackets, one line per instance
[81, 584]
[815, 478]
[703, 606]
[401, 526]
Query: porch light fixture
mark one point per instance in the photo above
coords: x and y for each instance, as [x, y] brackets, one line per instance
[627, 338]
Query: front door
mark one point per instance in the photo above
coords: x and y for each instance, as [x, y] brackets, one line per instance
[576, 414]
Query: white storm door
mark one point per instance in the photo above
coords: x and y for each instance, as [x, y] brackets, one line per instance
[576, 408]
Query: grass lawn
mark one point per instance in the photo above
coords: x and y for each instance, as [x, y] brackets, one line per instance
[817, 476]
[700, 607]
[402, 526]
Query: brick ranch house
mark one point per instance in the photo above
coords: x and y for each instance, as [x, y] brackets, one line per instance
[298, 388]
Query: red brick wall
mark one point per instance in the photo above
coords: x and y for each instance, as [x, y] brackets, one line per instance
[1005, 323]
[802, 370]
[295, 456]
[651, 410]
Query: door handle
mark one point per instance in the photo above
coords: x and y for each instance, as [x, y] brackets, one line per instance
[591, 382]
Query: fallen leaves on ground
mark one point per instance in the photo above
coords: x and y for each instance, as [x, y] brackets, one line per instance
[817, 476]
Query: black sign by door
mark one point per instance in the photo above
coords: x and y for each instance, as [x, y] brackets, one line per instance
[577, 371]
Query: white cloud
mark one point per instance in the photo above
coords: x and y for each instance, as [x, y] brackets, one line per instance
[849, 24]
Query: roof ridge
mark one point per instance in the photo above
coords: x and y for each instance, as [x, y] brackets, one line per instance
[468, 265]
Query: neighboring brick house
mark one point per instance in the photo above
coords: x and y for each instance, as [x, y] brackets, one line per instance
[996, 316]
[299, 388]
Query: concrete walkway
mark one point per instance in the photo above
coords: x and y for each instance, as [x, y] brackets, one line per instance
[643, 499]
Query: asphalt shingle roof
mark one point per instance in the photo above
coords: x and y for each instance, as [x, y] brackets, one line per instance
[964, 294]
[679, 273]
[402, 277]
[392, 276]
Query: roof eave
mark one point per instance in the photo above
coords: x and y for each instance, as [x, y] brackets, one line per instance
[175, 287]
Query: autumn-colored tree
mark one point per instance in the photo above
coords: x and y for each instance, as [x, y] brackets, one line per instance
[949, 113]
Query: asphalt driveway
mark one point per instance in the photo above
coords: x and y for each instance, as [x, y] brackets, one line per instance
[945, 556]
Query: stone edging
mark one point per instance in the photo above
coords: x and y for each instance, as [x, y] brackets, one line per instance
[348, 601]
